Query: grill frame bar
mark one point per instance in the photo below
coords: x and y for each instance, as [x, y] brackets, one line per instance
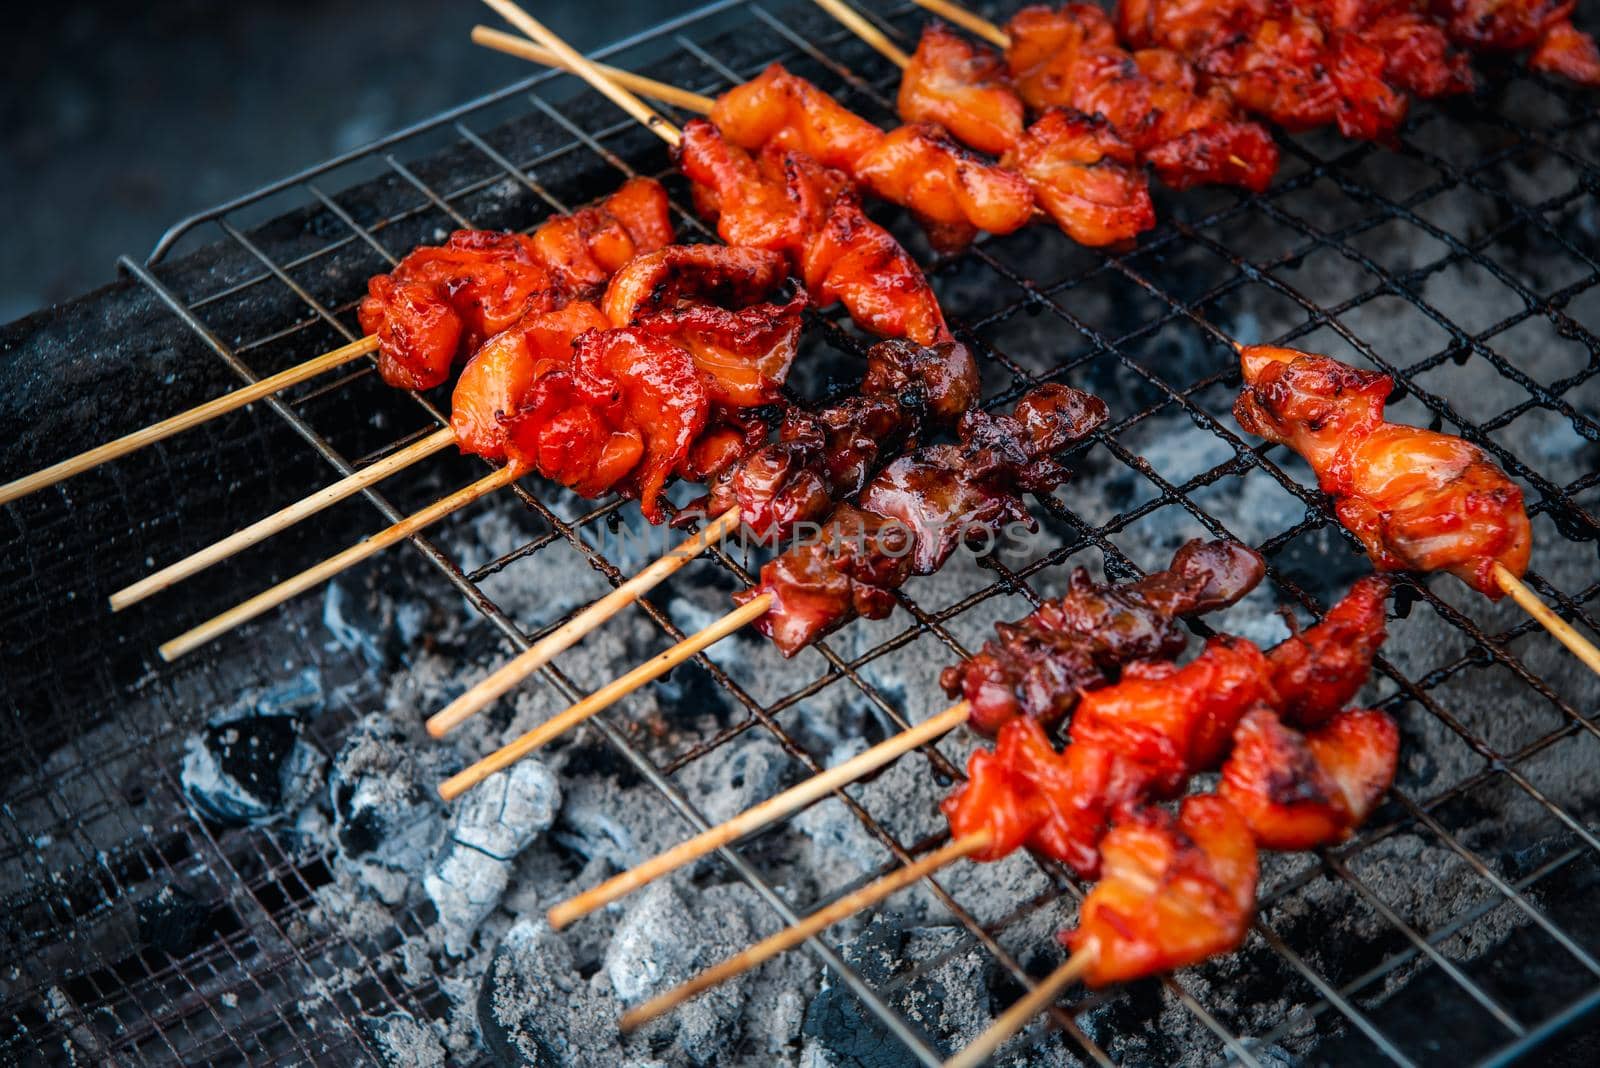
[1485, 649]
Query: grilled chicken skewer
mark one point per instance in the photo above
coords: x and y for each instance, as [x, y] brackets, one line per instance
[1065, 164]
[1069, 57]
[559, 260]
[438, 306]
[1419, 500]
[1172, 891]
[1072, 643]
[622, 395]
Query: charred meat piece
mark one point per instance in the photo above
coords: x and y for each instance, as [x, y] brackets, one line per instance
[1037, 666]
[1419, 500]
[828, 455]
[915, 512]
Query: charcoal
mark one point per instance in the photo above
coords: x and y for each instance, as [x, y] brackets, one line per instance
[171, 920]
[250, 763]
[494, 822]
[534, 1007]
[649, 954]
[387, 818]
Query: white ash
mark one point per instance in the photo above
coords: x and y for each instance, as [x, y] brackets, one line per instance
[647, 957]
[405, 1043]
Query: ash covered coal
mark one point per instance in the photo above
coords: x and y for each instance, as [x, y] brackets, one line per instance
[251, 763]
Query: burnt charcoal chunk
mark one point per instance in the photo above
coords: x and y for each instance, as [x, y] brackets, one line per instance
[387, 819]
[251, 764]
[846, 1028]
[535, 1008]
[252, 753]
[171, 920]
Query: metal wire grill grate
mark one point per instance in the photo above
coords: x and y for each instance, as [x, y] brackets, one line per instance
[1355, 249]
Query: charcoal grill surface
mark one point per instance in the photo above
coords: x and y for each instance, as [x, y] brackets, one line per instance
[1461, 261]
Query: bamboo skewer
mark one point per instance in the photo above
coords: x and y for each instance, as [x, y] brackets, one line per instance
[970, 21]
[522, 48]
[857, 24]
[580, 65]
[607, 695]
[752, 819]
[1027, 1007]
[814, 924]
[568, 634]
[280, 520]
[155, 432]
[276, 595]
[1560, 629]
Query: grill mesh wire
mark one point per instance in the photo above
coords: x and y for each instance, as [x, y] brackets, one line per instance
[1179, 283]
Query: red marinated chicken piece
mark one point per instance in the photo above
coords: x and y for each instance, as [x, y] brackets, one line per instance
[702, 297]
[1024, 793]
[441, 302]
[963, 87]
[1175, 721]
[1542, 26]
[953, 191]
[788, 203]
[1069, 57]
[1306, 63]
[624, 400]
[780, 108]
[502, 372]
[858, 263]
[1569, 52]
[1291, 70]
[918, 167]
[1172, 892]
[1318, 671]
[1300, 791]
[1085, 177]
[1417, 499]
